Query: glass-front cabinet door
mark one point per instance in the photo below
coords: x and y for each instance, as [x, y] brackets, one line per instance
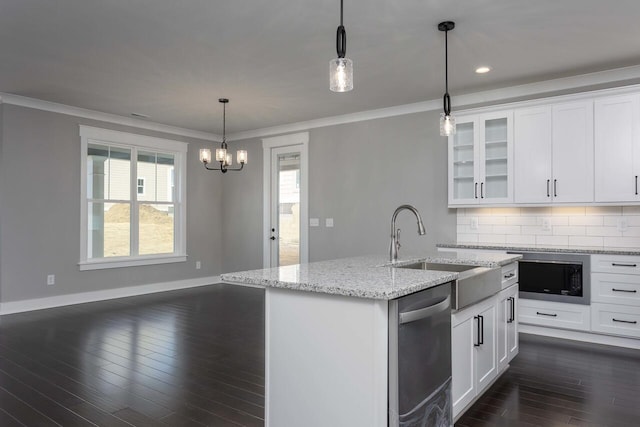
[496, 154]
[481, 160]
[463, 164]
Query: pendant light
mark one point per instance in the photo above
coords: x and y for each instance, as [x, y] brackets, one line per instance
[447, 121]
[341, 68]
[222, 156]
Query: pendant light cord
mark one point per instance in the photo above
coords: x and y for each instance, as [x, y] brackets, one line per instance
[341, 36]
[446, 98]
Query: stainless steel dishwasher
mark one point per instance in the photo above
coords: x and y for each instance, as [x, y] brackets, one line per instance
[420, 359]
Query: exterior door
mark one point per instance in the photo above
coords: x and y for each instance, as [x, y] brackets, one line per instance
[285, 210]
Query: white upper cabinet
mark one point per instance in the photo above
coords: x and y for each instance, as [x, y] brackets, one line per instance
[481, 160]
[554, 153]
[533, 155]
[573, 152]
[617, 148]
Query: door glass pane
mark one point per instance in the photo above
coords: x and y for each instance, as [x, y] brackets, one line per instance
[156, 229]
[108, 234]
[289, 209]
[463, 167]
[496, 159]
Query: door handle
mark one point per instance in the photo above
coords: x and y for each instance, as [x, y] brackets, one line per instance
[482, 190]
[548, 188]
[555, 188]
[475, 191]
[481, 317]
[477, 331]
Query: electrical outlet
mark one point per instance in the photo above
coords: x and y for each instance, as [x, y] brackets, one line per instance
[51, 279]
[314, 222]
[546, 224]
[328, 222]
[622, 224]
[198, 265]
[473, 224]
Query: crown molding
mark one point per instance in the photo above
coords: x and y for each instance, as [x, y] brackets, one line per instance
[23, 101]
[618, 75]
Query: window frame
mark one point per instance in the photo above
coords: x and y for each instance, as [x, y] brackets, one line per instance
[143, 185]
[135, 142]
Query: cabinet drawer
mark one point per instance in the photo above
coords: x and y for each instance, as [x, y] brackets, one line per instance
[615, 319]
[615, 288]
[509, 275]
[624, 264]
[554, 314]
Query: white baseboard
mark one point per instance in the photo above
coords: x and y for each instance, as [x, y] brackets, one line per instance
[82, 297]
[579, 336]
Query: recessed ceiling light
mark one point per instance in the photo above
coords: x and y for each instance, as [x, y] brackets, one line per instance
[483, 70]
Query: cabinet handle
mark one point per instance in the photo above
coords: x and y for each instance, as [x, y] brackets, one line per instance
[481, 329]
[482, 190]
[624, 290]
[546, 314]
[636, 185]
[617, 264]
[509, 276]
[475, 191]
[548, 188]
[633, 322]
[555, 188]
[510, 319]
[477, 344]
[513, 309]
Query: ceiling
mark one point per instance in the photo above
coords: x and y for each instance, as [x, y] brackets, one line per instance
[172, 60]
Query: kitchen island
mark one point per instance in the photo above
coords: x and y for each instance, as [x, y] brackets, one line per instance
[327, 333]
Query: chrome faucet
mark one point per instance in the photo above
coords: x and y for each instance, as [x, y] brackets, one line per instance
[395, 234]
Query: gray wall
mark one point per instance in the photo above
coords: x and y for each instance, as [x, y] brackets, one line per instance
[358, 174]
[40, 210]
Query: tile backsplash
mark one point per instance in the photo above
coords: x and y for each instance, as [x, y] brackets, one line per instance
[600, 226]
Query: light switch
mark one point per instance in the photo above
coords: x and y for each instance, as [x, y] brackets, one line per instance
[546, 224]
[328, 222]
[314, 222]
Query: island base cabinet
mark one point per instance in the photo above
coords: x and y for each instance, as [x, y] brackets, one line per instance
[325, 359]
[474, 360]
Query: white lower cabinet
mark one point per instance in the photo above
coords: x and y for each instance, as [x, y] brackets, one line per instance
[507, 326]
[474, 356]
[615, 319]
[554, 314]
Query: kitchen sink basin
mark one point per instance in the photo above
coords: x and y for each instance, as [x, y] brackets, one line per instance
[473, 285]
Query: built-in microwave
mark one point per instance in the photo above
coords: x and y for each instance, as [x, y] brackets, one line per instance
[556, 277]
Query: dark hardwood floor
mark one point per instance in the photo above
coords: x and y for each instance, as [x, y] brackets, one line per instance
[196, 357]
[185, 358]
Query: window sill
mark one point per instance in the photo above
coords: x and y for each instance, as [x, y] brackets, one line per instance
[129, 262]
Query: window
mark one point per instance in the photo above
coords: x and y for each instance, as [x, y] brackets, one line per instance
[133, 199]
[140, 186]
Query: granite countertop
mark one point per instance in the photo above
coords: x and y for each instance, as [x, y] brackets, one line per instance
[371, 277]
[535, 248]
